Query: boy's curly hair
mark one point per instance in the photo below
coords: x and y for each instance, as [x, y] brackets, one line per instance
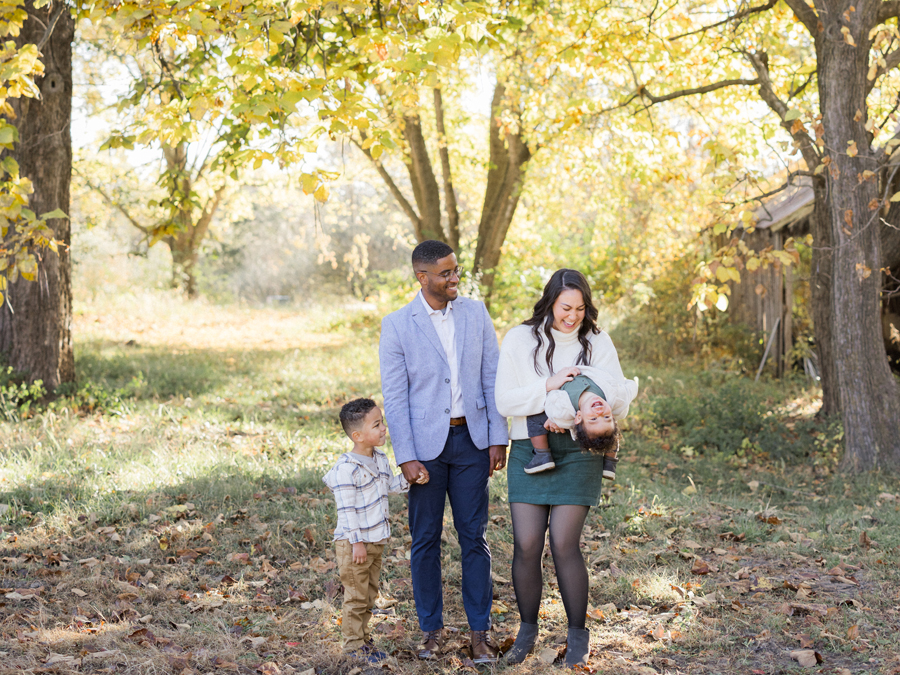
[607, 444]
[353, 413]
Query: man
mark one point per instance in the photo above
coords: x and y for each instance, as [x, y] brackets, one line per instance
[438, 364]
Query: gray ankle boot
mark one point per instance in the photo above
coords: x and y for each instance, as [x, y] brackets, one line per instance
[578, 647]
[525, 639]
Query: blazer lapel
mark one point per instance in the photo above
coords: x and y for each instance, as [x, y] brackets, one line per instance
[423, 321]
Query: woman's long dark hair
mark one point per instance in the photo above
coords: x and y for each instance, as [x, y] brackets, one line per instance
[541, 320]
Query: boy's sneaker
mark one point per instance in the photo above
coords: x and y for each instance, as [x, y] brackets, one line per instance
[609, 467]
[542, 461]
[368, 652]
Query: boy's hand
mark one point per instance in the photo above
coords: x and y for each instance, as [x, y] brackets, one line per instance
[412, 470]
[359, 553]
[423, 476]
[550, 425]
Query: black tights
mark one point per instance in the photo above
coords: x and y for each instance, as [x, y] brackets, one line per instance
[530, 523]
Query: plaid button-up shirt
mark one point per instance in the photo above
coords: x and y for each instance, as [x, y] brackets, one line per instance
[362, 497]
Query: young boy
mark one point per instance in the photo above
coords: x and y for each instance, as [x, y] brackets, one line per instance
[588, 405]
[361, 480]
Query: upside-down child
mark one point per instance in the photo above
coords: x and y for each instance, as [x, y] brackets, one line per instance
[588, 406]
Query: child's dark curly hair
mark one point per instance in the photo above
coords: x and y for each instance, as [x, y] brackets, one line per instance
[607, 444]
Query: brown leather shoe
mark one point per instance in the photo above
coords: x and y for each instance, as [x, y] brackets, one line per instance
[432, 643]
[482, 649]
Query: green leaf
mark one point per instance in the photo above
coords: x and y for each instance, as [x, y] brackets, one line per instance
[56, 213]
[791, 114]
[8, 134]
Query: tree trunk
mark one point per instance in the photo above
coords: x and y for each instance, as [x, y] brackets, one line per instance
[506, 176]
[449, 193]
[848, 236]
[424, 184]
[185, 242]
[36, 333]
[821, 281]
[185, 245]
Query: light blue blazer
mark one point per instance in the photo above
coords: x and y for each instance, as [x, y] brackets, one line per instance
[415, 379]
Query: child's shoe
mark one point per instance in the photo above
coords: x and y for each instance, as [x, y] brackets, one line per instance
[368, 652]
[609, 467]
[542, 461]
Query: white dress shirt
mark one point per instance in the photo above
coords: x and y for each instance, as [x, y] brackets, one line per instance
[446, 330]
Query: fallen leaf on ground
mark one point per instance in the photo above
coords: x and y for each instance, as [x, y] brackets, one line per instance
[548, 655]
[700, 567]
[806, 657]
[106, 654]
[383, 602]
[596, 614]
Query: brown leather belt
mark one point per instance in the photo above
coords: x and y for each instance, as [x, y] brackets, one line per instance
[457, 421]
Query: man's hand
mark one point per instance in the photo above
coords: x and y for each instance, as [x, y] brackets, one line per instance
[414, 472]
[497, 454]
[359, 553]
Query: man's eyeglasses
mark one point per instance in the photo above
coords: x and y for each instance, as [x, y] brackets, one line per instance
[447, 274]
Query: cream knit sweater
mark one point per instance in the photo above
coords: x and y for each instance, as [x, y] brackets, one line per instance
[520, 391]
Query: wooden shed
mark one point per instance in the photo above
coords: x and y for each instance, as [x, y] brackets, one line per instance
[763, 301]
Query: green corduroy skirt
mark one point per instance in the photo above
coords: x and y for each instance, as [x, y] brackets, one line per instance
[577, 478]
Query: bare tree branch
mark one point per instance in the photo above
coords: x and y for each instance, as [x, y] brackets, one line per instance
[789, 182]
[641, 92]
[806, 14]
[780, 108]
[734, 17]
[53, 21]
[392, 186]
[112, 202]
[794, 93]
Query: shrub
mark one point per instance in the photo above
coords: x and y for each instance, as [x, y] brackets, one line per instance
[731, 419]
[18, 397]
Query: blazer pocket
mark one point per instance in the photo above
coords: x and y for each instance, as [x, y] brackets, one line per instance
[417, 413]
[479, 402]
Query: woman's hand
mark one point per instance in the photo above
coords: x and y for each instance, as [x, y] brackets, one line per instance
[563, 376]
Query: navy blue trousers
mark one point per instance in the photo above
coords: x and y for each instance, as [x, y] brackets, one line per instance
[461, 472]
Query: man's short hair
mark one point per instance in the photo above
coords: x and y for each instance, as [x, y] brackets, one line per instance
[599, 445]
[354, 412]
[429, 252]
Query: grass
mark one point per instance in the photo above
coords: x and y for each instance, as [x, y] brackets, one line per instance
[170, 516]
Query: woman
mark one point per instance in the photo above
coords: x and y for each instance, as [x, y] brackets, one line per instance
[539, 356]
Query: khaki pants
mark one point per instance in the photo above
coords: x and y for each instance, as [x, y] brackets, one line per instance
[360, 590]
